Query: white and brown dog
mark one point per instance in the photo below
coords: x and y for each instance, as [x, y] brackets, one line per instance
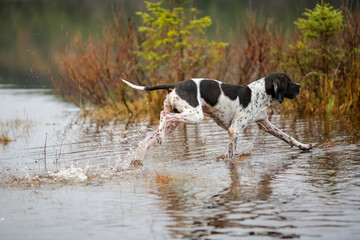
[233, 107]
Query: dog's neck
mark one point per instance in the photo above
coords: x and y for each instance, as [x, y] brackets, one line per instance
[258, 90]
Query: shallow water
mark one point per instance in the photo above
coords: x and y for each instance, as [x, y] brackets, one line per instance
[87, 190]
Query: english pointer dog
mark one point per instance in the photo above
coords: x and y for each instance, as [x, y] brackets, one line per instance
[233, 107]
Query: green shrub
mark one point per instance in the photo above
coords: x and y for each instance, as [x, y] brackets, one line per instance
[175, 41]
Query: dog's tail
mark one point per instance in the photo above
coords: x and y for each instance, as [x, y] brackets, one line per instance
[150, 88]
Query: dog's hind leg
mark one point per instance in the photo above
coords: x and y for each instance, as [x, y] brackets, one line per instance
[143, 148]
[267, 126]
[170, 127]
[149, 141]
[169, 121]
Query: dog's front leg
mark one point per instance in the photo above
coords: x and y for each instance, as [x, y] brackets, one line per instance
[237, 125]
[267, 126]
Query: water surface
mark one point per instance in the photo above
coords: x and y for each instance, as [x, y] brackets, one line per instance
[87, 190]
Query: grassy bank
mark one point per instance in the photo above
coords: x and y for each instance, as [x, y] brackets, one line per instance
[171, 44]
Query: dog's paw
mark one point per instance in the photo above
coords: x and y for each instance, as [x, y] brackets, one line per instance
[306, 147]
[136, 163]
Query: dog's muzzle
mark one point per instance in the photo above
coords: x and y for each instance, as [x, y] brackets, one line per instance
[293, 90]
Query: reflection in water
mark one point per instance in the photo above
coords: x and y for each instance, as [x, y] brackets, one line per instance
[195, 218]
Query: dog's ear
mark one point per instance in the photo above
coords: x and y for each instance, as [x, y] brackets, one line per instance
[275, 85]
[279, 90]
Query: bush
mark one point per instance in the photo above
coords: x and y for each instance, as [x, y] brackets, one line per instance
[319, 57]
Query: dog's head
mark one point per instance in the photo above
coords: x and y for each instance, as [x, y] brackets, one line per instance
[279, 85]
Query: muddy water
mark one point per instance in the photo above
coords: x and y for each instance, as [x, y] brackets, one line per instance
[184, 190]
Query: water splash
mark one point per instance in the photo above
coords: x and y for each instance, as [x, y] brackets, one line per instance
[72, 174]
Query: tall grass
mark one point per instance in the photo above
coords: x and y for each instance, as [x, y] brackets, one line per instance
[253, 58]
[92, 70]
[329, 72]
